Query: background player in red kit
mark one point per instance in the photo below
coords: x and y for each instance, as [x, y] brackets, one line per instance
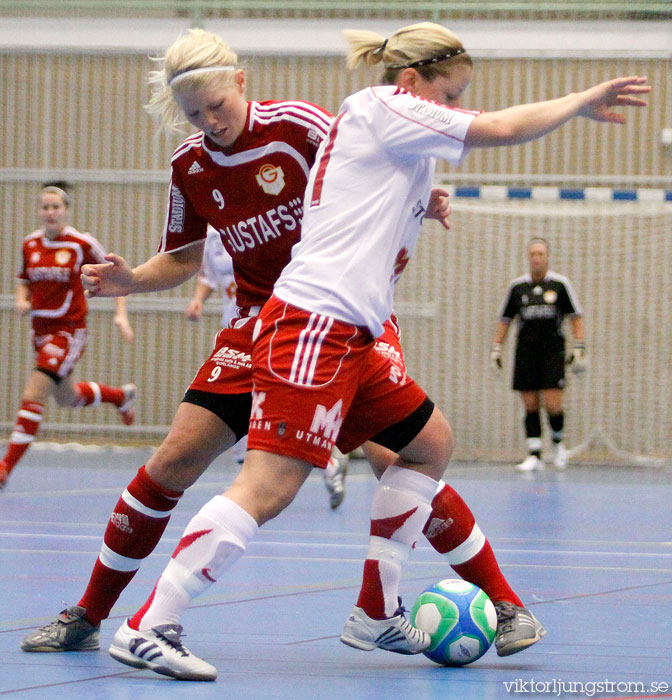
[50, 290]
[315, 367]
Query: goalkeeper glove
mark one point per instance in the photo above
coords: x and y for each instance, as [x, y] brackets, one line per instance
[496, 356]
[578, 357]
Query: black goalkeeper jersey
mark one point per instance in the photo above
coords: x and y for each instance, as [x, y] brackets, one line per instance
[540, 308]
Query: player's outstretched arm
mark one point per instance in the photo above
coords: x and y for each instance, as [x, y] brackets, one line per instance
[115, 278]
[527, 122]
[121, 320]
[22, 299]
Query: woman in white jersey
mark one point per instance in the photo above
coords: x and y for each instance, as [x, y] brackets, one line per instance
[50, 292]
[240, 173]
[317, 379]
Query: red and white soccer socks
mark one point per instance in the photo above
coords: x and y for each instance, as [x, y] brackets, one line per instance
[214, 540]
[400, 508]
[452, 530]
[93, 393]
[135, 528]
[27, 424]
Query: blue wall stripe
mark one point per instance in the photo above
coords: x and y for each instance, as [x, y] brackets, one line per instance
[560, 193]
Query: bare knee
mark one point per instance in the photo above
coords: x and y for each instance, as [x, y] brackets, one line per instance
[431, 450]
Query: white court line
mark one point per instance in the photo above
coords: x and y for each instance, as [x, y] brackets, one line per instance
[435, 563]
[337, 533]
[363, 546]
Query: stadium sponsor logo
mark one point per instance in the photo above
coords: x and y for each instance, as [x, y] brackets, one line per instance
[437, 526]
[49, 274]
[535, 311]
[397, 369]
[313, 137]
[418, 210]
[257, 410]
[54, 350]
[327, 421]
[271, 179]
[230, 357]
[121, 522]
[258, 230]
[176, 223]
[433, 111]
[399, 265]
[62, 257]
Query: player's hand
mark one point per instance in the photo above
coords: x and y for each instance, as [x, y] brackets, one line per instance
[194, 310]
[596, 102]
[113, 278]
[578, 358]
[438, 207]
[496, 356]
[122, 323]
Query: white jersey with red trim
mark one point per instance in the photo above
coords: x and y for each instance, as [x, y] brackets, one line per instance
[252, 192]
[51, 269]
[365, 202]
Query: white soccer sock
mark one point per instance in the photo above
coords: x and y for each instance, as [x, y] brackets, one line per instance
[400, 508]
[212, 542]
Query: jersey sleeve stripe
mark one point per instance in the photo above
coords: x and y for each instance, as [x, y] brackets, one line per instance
[96, 248]
[310, 112]
[578, 311]
[295, 119]
[316, 197]
[187, 145]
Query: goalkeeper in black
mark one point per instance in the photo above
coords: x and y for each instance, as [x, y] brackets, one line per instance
[541, 299]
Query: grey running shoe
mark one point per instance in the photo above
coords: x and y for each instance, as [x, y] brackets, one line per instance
[334, 479]
[161, 651]
[392, 634]
[517, 629]
[68, 632]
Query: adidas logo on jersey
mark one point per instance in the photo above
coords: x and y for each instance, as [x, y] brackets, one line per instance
[195, 168]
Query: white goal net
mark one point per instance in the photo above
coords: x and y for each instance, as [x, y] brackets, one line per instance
[617, 254]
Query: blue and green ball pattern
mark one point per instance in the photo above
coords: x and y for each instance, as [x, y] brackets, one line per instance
[459, 617]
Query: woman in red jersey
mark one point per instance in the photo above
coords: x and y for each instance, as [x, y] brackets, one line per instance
[49, 289]
[244, 173]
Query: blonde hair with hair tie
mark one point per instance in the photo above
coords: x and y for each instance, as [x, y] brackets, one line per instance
[424, 42]
[197, 59]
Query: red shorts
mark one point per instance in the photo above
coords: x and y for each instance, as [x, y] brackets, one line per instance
[228, 370]
[58, 351]
[315, 376]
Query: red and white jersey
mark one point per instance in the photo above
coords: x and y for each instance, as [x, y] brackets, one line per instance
[252, 192]
[365, 202]
[51, 268]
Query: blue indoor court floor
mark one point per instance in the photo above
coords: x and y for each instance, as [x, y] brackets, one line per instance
[589, 550]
